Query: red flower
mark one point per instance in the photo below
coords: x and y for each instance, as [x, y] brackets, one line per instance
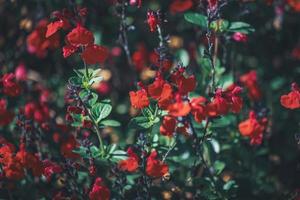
[240, 37]
[99, 191]
[164, 64]
[161, 91]
[5, 116]
[53, 27]
[39, 112]
[38, 44]
[180, 6]
[253, 128]
[67, 147]
[139, 99]
[10, 86]
[152, 20]
[137, 3]
[249, 80]
[94, 54]
[292, 99]
[184, 84]
[21, 72]
[295, 4]
[80, 36]
[168, 126]
[50, 168]
[154, 167]
[131, 163]
[218, 106]
[179, 109]
[69, 50]
[198, 108]
[212, 4]
[139, 57]
[232, 96]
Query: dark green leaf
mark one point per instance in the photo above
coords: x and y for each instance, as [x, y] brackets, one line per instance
[196, 18]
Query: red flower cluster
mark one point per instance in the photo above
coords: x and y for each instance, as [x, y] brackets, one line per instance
[292, 99]
[253, 128]
[99, 191]
[249, 80]
[154, 167]
[131, 164]
[78, 38]
[14, 165]
[38, 43]
[37, 111]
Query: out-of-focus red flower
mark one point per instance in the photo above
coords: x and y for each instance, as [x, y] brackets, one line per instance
[53, 27]
[5, 116]
[30, 162]
[154, 167]
[140, 57]
[152, 20]
[180, 6]
[179, 109]
[80, 36]
[168, 126]
[94, 54]
[249, 80]
[240, 37]
[21, 72]
[292, 99]
[253, 128]
[164, 65]
[212, 4]
[103, 88]
[137, 3]
[50, 169]
[198, 108]
[295, 4]
[39, 112]
[296, 53]
[139, 99]
[67, 147]
[131, 163]
[10, 86]
[99, 191]
[38, 44]
[69, 50]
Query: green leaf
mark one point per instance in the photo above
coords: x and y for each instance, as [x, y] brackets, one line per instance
[110, 122]
[230, 184]
[219, 166]
[101, 111]
[95, 151]
[75, 80]
[241, 27]
[196, 18]
[183, 56]
[82, 151]
[140, 123]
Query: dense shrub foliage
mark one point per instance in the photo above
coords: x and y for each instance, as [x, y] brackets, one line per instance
[149, 99]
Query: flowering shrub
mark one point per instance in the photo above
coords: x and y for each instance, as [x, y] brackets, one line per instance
[134, 99]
